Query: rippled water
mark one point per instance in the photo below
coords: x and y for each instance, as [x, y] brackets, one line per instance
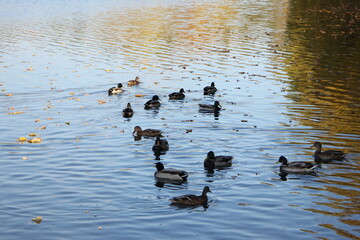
[287, 73]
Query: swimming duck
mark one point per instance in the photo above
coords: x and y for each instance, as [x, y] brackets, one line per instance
[210, 108]
[192, 199]
[296, 167]
[169, 173]
[116, 90]
[177, 95]
[327, 156]
[212, 161]
[128, 112]
[146, 132]
[134, 82]
[160, 145]
[210, 90]
[153, 103]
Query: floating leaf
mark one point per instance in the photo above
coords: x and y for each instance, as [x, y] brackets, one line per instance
[24, 158]
[32, 134]
[15, 113]
[139, 95]
[37, 219]
[35, 140]
[101, 102]
[37, 120]
[22, 139]
[8, 95]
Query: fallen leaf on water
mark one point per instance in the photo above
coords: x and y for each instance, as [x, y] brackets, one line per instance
[32, 134]
[100, 228]
[139, 95]
[101, 102]
[108, 70]
[72, 93]
[37, 219]
[14, 113]
[245, 204]
[11, 108]
[24, 158]
[188, 130]
[22, 139]
[35, 140]
[49, 119]
[8, 95]
[37, 120]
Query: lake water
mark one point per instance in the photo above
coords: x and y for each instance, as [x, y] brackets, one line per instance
[287, 73]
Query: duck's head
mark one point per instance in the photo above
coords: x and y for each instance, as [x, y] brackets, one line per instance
[128, 105]
[283, 160]
[137, 78]
[211, 155]
[182, 90]
[155, 98]
[213, 84]
[217, 104]
[137, 129]
[317, 145]
[206, 190]
[119, 85]
[159, 166]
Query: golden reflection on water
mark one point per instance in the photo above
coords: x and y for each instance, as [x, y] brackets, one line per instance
[324, 67]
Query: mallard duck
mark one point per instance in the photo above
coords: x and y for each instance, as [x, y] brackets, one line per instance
[210, 108]
[210, 90]
[177, 95]
[212, 161]
[153, 103]
[169, 173]
[146, 132]
[327, 156]
[116, 90]
[296, 167]
[128, 112]
[192, 199]
[160, 145]
[134, 82]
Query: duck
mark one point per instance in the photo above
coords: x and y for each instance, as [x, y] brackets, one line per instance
[216, 107]
[169, 173]
[128, 112]
[177, 95]
[116, 90]
[210, 90]
[153, 103]
[296, 167]
[160, 145]
[190, 199]
[212, 161]
[134, 82]
[146, 132]
[327, 156]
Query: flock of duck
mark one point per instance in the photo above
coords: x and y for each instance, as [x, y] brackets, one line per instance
[211, 161]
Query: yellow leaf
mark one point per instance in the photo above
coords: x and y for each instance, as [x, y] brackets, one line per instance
[32, 134]
[22, 139]
[139, 95]
[14, 113]
[35, 140]
[8, 95]
[37, 220]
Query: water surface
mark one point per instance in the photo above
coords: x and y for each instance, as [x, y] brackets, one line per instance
[287, 74]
